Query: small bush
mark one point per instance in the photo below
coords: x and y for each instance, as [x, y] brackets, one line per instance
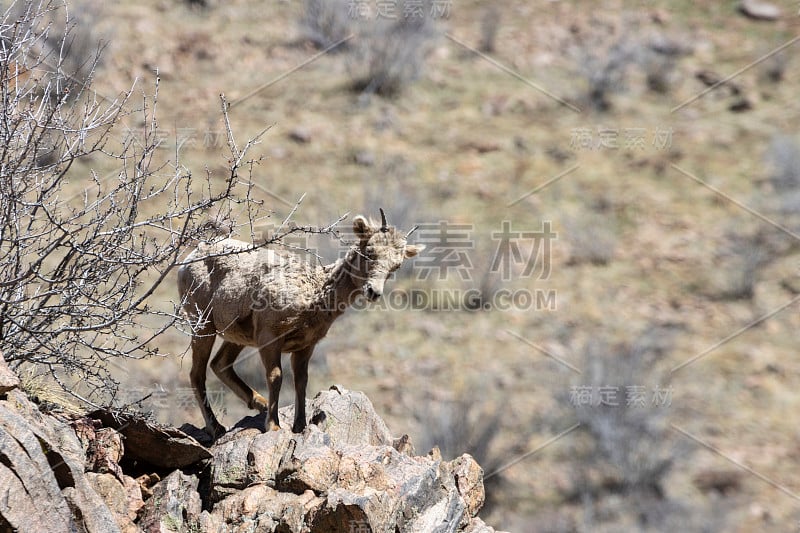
[607, 56]
[605, 68]
[591, 239]
[327, 22]
[624, 449]
[463, 425]
[390, 54]
[386, 51]
[773, 69]
[783, 159]
[490, 24]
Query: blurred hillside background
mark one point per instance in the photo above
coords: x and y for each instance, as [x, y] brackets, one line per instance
[606, 313]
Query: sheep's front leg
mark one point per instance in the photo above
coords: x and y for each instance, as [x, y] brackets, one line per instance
[271, 358]
[300, 361]
[202, 343]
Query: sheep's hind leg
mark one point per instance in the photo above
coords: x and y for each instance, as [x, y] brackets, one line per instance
[202, 343]
[300, 361]
[222, 365]
[271, 357]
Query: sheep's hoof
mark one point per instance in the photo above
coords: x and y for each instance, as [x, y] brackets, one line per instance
[297, 428]
[259, 403]
[272, 426]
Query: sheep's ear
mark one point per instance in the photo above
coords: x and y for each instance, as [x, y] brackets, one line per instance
[361, 228]
[412, 250]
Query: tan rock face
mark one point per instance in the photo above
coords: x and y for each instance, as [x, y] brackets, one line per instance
[343, 473]
[42, 478]
[8, 379]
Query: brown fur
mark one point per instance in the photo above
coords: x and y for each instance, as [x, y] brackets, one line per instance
[277, 303]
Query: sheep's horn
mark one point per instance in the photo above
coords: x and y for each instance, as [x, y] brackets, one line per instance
[412, 230]
[384, 228]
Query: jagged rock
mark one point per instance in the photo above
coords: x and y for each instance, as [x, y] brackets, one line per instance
[120, 499]
[264, 509]
[146, 483]
[345, 473]
[476, 525]
[309, 463]
[231, 466]
[133, 493]
[759, 10]
[469, 482]
[174, 506]
[404, 445]
[160, 446]
[42, 481]
[398, 492]
[355, 420]
[105, 452]
[8, 379]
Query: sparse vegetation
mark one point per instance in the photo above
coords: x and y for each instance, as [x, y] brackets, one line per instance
[591, 238]
[490, 25]
[472, 140]
[464, 425]
[605, 67]
[390, 54]
[328, 23]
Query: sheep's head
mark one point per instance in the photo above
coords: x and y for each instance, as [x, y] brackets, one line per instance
[384, 249]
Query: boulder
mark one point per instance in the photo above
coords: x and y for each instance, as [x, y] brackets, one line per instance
[174, 506]
[123, 501]
[154, 444]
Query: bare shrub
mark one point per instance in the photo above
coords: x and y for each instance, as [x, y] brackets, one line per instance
[462, 425]
[79, 264]
[738, 262]
[389, 54]
[773, 68]
[61, 55]
[591, 238]
[605, 66]
[490, 24]
[607, 56]
[327, 23]
[624, 448]
[386, 50]
[783, 161]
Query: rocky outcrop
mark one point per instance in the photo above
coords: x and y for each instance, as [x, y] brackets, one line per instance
[110, 472]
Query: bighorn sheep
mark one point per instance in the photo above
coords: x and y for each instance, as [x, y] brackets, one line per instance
[278, 303]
